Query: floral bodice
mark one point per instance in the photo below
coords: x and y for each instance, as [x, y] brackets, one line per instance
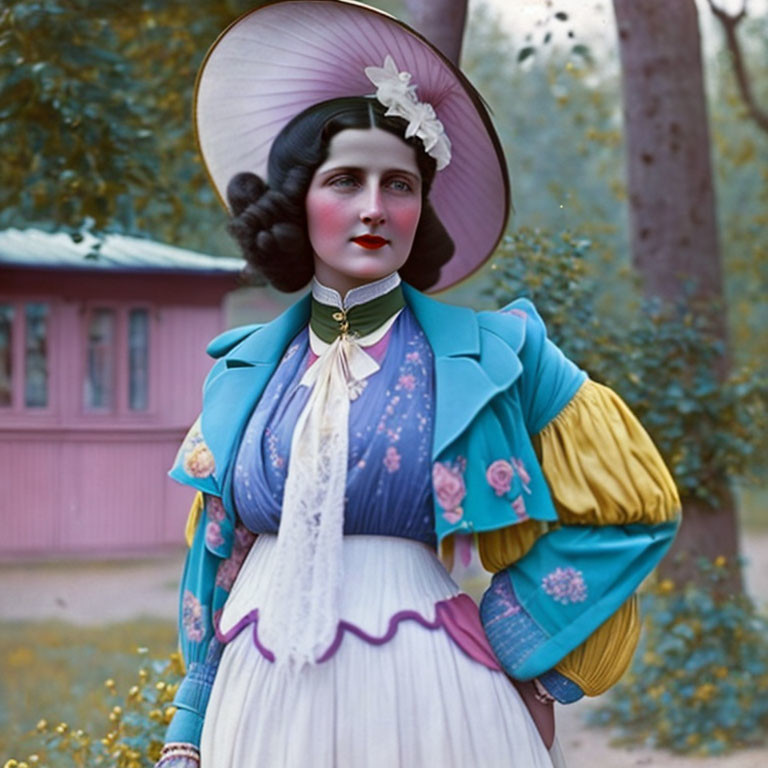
[389, 484]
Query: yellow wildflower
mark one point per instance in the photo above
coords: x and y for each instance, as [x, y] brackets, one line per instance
[666, 586]
[705, 692]
[720, 561]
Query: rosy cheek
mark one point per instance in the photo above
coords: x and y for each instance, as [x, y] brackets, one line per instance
[325, 217]
[405, 218]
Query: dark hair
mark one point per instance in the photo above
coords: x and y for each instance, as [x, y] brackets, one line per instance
[269, 220]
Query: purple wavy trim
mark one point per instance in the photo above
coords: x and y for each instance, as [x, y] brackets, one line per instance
[458, 616]
[249, 618]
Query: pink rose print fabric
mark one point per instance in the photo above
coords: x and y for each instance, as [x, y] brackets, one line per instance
[213, 537]
[198, 460]
[215, 513]
[518, 505]
[499, 476]
[450, 489]
[392, 459]
[525, 478]
[229, 568]
[501, 473]
[565, 585]
[192, 617]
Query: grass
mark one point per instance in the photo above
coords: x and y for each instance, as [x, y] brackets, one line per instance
[56, 671]
[753, 508]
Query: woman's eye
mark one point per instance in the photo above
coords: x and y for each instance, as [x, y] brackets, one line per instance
[400, 185]
[343, 182]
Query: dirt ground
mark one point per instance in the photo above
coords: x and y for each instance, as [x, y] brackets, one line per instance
[100, 593]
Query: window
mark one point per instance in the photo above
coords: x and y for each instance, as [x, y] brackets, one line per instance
[36, 355]
[138, 359]
[24, 355]
[116, 365]
[99, 381]
[6, 354]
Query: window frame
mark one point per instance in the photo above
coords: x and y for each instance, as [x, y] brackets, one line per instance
[120, 408]
[18, 406]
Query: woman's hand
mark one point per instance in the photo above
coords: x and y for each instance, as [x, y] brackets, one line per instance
[177, 755]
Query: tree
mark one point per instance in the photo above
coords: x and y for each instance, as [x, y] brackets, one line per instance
[672, 215]
[95, 106]
[441, 22]
[730, 23]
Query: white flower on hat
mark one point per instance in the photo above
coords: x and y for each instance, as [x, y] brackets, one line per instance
[394, 91]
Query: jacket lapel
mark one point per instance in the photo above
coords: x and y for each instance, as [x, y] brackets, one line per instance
[237, 381]
[472, 364]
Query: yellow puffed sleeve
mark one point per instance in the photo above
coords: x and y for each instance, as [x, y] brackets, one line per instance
[600, 661]
[601, 465]
[194, 518]
[602, 469]
[500, 548]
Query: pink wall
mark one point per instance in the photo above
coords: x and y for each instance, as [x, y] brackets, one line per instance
[75, 482]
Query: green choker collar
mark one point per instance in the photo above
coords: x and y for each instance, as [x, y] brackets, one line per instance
[329, 322]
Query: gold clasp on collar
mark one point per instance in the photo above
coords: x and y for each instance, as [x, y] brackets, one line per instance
[341, 318]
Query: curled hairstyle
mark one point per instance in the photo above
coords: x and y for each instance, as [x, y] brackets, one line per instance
[269, 219]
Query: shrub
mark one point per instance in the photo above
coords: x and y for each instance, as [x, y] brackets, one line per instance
[699, 681]
[133, 733]
[662, 359]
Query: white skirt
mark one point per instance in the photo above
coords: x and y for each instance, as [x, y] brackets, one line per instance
[415, 701]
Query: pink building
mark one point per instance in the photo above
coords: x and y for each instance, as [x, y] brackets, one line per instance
[101, 364]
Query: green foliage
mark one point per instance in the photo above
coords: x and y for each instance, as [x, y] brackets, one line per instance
[74, 142]
[95, 119]
[56, 672]
[699, 681]
[663, 360]
[131, 734]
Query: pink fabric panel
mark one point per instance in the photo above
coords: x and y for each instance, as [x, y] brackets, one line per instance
[461, 620]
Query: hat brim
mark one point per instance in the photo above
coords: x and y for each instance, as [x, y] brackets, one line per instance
[281, 58]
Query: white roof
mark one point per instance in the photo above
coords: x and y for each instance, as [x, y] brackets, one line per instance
[37, 249]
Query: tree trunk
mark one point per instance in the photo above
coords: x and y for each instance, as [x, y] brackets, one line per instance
[441, 22]
[673, 215]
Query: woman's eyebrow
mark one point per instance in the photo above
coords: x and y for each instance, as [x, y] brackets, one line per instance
[361, 170]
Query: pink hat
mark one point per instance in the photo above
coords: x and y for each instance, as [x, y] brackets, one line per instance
[279, 59]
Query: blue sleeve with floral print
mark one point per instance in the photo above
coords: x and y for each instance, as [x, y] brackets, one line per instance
[209, 572]
[575, 577]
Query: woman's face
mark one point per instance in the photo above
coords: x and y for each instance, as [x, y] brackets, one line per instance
[363, 208]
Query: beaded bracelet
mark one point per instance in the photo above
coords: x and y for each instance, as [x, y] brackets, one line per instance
[177, 754]
[541, 694]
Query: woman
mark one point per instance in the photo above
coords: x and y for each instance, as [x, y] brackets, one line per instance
[369, 422]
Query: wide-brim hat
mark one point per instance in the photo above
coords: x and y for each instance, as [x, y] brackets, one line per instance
[280, 58]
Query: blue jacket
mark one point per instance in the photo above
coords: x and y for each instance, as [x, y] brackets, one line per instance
[498, 382]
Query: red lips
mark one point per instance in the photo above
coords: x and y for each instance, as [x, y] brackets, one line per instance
[370, 241]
